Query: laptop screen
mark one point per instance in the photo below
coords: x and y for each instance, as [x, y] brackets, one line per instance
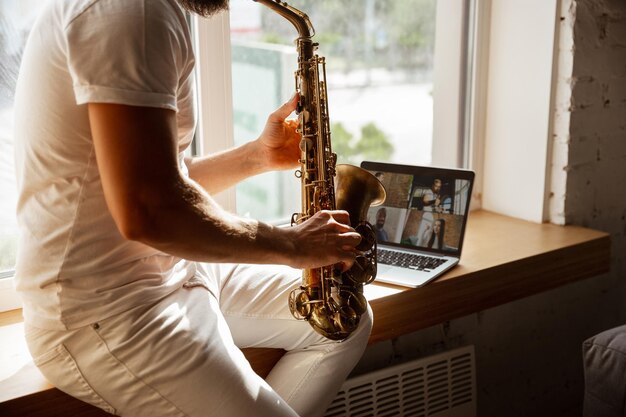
[426, 208]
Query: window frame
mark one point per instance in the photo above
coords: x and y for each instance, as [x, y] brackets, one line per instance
[215, 110]
[520, 91]
[449, 83]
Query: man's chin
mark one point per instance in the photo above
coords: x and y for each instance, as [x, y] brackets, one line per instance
[204, 8]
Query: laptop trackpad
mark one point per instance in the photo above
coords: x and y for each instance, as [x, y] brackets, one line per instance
[402, 276]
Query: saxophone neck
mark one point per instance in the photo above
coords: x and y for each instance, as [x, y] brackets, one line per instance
[297, 18]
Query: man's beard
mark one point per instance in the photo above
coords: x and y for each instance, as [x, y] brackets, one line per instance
[204, 8]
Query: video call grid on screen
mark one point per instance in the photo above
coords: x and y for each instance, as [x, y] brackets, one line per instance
[426, 208]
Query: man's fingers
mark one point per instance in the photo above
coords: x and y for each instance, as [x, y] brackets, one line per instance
[286, 109]
[349, 240]
[340, 216]
[329, 235]
[347, 260]
[292, 123]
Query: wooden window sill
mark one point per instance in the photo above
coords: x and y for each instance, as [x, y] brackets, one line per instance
[504, 259]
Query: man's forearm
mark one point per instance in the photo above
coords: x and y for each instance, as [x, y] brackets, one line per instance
[183, 220]
[222, 170]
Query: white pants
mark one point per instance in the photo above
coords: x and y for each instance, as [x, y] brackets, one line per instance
[427, 223]
[181, 357]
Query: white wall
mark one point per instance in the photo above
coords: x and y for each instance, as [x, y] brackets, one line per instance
[519, 97]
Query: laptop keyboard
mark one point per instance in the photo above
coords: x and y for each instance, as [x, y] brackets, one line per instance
[408, 260]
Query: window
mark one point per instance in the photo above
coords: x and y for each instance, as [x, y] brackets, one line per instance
[381, 58]
[16, 19]
[15, 22]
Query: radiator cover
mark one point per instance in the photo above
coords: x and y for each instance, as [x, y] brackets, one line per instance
[441, 385]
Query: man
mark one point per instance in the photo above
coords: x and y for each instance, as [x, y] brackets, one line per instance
[381, 217]
[431, 202]
[125, 305]
[432, 198]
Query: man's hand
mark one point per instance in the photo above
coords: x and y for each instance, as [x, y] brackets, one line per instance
[277, 148]
[324, 239]
[279, 142]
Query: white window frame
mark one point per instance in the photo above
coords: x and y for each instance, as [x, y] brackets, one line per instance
[215, 109]
[449, 86]
[459, 96]
[519, 107]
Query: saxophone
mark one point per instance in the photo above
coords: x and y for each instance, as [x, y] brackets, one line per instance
[331, 301]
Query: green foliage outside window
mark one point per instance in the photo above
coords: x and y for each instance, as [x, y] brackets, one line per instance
[373, 144]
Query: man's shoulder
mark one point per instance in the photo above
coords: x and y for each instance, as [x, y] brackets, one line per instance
[75, 9]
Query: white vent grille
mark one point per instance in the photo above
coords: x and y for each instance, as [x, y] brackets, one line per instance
[442, 385]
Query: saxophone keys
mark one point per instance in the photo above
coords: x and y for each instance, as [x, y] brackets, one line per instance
[362, 272]
[305, 144]
[368, 237]
[356, 301]
[299, 304]
[347, 319]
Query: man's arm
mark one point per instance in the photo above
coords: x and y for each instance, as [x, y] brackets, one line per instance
[430, 199]
[276, 148]
[153, 203]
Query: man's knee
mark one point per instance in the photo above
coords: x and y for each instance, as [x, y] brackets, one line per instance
[364, 329]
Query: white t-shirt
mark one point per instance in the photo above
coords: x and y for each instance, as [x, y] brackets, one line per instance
[73, 265]
[430, 195]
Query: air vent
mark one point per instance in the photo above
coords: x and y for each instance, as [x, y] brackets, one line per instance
[442, 385]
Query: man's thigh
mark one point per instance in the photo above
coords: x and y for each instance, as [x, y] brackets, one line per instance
[254, 301]
[176, 357]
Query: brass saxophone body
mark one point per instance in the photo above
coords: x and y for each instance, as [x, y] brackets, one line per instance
[331, 301]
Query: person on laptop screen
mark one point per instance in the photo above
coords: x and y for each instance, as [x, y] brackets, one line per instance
[430, 202]
[434, 237]
[381, 217]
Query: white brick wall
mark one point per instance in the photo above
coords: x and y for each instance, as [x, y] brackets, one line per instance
[562, 111]
[596, 167]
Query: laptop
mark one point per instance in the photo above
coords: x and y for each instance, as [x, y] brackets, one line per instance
[421, 225]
